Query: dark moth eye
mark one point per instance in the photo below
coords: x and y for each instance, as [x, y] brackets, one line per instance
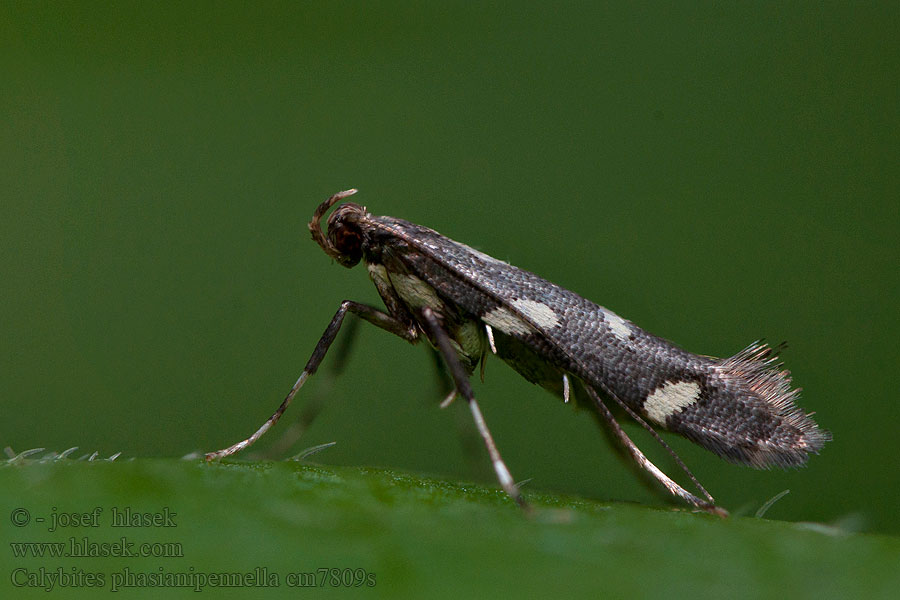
[348, 241]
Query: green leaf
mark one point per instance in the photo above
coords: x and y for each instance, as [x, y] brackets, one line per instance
[418, 537]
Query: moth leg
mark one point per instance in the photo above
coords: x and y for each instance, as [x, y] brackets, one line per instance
[461, 380]
[442, 378]
[448, 399]
[367, 313]
[644, 462]
[490, 336]
[313, 406]
[469, 439]
[667, 448]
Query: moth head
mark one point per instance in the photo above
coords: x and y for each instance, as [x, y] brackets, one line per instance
[344, 239]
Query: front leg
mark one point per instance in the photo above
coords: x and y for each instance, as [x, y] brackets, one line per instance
[377, 317]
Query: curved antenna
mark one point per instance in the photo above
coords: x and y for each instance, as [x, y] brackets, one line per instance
[315, 225]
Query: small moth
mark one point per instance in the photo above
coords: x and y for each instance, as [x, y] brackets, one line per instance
[467, 305]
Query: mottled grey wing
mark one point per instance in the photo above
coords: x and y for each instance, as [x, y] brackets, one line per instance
[741, 408]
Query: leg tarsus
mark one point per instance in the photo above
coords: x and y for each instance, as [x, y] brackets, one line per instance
[313, 406]
[365, 312]
[667, 448]
[644, 462]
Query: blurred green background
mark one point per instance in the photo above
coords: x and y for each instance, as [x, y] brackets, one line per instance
[715, 173]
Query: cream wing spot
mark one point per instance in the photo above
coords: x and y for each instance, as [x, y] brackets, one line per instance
[506, 321]
[617, 325]
[539, 313]
[669, 398]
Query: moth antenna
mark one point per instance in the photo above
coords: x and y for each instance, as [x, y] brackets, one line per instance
[315, 225]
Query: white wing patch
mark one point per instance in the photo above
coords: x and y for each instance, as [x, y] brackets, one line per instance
[618, 325]
[510, 323]
[506, 321]
[539, 313]
[669, 398]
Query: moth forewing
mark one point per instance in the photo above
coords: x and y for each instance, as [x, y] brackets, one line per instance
[742, 408]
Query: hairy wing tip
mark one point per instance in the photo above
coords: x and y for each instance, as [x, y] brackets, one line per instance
[758, 370]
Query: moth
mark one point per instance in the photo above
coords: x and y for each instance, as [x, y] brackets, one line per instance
[468, 305]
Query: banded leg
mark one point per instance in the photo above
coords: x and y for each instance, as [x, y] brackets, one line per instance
[667, 448]
[372, 315]
[314, 404]
[461, 381]
[644, 462]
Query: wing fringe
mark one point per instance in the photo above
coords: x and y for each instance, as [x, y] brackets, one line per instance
[758, 370]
